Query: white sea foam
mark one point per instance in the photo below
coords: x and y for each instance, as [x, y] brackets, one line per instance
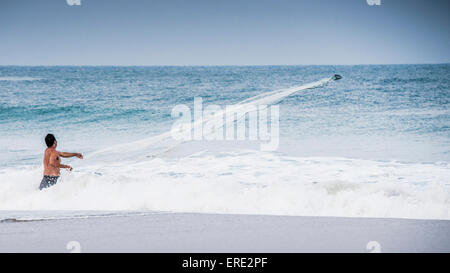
[15, 79]
[241, 182]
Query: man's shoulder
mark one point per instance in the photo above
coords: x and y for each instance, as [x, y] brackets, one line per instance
[50, 151]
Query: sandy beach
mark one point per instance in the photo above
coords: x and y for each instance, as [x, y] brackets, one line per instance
[185, 232]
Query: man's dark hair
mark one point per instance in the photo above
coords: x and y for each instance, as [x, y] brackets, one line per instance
[49, 140]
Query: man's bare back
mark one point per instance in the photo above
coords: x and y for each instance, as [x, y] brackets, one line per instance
[52, 162]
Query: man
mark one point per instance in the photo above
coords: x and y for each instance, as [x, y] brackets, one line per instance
[52, 162]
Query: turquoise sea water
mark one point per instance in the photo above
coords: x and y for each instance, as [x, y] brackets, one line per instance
[91, 107]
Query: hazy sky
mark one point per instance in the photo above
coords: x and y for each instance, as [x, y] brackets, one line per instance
[223, 32]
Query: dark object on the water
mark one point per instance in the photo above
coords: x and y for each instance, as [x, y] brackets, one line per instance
[337, 77]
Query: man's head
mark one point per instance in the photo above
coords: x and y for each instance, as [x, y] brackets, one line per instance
[50, 140]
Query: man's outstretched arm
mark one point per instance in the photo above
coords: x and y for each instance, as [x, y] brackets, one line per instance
[64, 154]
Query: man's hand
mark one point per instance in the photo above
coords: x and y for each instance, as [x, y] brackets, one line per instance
[66, 167]
[80, 156]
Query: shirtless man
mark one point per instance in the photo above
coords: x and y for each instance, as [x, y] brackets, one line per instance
[52, 162]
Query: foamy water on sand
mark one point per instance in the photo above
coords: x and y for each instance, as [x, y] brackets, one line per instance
[244, 182]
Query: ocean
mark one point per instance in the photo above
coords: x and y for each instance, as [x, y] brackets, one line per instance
[374, 144]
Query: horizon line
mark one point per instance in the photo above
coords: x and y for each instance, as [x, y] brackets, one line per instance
[210, 65]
